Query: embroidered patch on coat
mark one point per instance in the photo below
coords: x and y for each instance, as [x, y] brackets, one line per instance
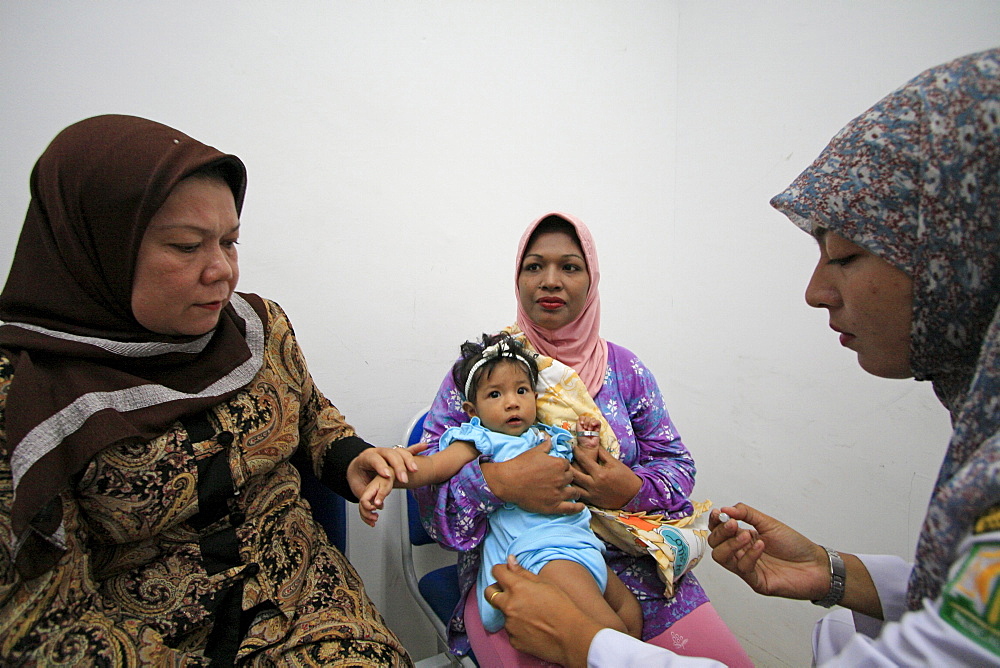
[988, 521]
[971, 601]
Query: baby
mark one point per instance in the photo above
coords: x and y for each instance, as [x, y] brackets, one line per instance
[499, 378]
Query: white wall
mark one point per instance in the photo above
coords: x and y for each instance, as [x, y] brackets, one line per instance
[397, 149]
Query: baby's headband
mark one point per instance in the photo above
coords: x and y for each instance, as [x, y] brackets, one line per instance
[498, 349]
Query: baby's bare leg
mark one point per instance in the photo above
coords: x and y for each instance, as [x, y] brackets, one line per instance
[624, 603]
[581, 587]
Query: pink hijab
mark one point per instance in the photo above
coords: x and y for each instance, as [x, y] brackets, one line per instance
[579, 343]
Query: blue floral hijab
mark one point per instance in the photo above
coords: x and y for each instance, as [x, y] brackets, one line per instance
[916, 180]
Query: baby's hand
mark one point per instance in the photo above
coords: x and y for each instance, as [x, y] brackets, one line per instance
[372, 499]
[588, 423]
[384, 462]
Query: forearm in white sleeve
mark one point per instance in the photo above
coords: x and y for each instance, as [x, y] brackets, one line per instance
[960, 628]
[890, 575]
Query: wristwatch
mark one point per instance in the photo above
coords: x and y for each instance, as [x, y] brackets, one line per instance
[838, 575]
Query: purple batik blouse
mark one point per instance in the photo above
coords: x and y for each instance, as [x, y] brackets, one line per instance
[456, 513]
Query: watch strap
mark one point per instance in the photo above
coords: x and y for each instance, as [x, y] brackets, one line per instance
[838, 577]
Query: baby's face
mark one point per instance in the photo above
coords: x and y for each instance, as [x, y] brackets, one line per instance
[505, 400]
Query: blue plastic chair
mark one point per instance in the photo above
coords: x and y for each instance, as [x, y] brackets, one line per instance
[436, 592]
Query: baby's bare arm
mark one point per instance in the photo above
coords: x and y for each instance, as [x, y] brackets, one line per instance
[440, 466]
[428, 470]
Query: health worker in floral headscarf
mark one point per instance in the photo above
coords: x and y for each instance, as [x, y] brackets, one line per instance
[905, 205]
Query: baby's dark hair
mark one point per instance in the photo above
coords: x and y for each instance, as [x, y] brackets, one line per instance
[492, 350]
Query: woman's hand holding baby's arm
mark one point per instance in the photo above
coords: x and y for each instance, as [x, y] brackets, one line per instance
[603, 481]
[534, 481]
[392, 463]
[588, 431]
[396, 467]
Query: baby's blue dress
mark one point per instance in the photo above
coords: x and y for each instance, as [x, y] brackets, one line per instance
[535, 539]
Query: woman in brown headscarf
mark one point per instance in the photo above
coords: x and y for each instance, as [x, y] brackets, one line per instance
[149, 509]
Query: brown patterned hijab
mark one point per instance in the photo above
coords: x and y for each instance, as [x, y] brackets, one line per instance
[916, 180]
[86, 374]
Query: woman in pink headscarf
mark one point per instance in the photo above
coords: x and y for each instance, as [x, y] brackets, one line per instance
[559, 313]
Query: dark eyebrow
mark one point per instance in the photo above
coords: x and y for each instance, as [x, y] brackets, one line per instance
[196, 228]
[576, 255]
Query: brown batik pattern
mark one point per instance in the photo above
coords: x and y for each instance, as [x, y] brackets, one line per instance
[133, 588]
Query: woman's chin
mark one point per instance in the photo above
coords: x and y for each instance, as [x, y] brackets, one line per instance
[549, 320]
[882, 367]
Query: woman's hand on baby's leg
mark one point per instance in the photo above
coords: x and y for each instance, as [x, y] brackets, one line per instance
[541, 619]
[372, 499]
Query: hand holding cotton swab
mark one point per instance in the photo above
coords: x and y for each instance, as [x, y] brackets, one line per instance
[724, 517]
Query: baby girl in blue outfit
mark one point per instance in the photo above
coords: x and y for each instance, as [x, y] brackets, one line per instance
[499, 378]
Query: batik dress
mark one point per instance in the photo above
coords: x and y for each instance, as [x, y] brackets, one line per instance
[198, 542]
